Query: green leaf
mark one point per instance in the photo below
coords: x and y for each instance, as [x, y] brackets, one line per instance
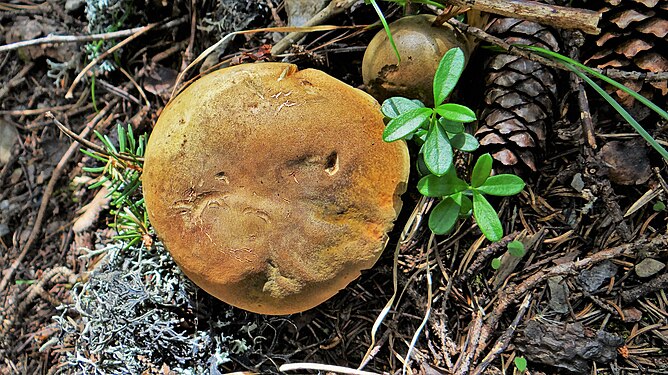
[455, 112]
[121, 138]
[453, 127]
[465, 142]
[447, 74]
[93, 169]
[481, 170]
[464, 202]
[502, 185]
[659, 206]
[440, 186]
[516, 248]
[406, 124]
[444, 216]
[486, 217]
[437, 150]
[420, 136]
[496, 263]
[95, 155]
[421, 166]
[520, 363]
[393, 107]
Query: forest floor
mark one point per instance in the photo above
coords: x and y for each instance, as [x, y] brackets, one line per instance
[588, 296]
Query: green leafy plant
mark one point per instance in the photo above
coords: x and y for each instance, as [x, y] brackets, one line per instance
[496, 263]
[439, 131]
[659, 206]
[459, 198]
[121, 173]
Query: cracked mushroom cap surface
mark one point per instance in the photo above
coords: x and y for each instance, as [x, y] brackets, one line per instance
[272, 187]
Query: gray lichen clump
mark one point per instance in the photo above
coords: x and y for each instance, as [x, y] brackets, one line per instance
[105, 16]
[137, 312]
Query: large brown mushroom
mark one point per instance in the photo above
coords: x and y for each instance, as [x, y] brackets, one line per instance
[272, 187]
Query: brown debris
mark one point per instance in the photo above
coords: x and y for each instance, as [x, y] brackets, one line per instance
[626, 162]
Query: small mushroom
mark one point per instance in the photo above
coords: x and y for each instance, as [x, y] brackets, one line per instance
[272, 187]
[421, 47]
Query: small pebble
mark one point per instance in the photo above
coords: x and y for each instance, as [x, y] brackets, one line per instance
[649, 267]
[74, 5]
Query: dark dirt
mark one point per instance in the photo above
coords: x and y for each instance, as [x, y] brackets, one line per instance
[575, 300]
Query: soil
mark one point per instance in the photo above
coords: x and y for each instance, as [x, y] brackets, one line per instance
[588, 296]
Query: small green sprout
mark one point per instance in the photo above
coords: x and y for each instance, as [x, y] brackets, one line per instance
[439, 131]
[520, 364]
[496, 263]
[659, 206]
[516, 249]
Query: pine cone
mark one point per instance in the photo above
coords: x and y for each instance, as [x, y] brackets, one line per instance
[633, 38]
[520, 96]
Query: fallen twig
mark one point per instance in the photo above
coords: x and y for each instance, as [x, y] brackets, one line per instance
[16, 80]
[553, 15]
[463, 363]
[484, 254]
[60, 39]
[504, 340]
[518, 51]
[102, 56]
[99, 149]
[658, 283]
[37, 289]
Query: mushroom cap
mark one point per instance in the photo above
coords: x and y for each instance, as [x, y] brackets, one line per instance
[272, 187]
[421, 47]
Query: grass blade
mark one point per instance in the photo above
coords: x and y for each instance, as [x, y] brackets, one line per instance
[386, 27]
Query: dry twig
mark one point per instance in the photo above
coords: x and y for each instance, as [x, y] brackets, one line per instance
[557, 16]
[102, 56]
[509, 48]
[16, 80]
[60, 39]
[504, 340]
